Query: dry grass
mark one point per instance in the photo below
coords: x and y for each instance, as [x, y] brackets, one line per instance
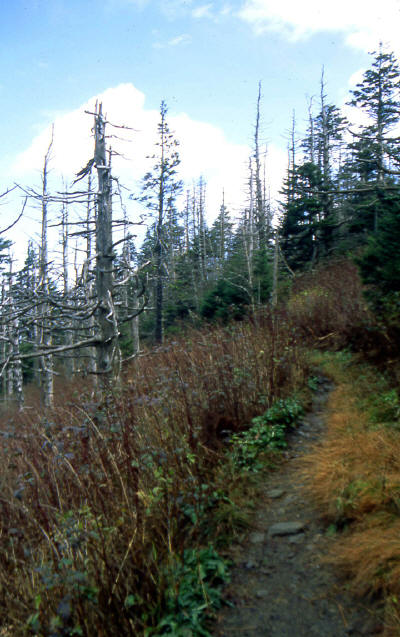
[354, 477]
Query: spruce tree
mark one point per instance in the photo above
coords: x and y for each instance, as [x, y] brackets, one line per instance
[374, 149]
[160, 188]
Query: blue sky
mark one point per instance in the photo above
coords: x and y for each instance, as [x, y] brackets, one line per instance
[205, 58]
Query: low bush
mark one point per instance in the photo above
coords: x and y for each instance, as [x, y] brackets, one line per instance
[327, 305]
[266, 433]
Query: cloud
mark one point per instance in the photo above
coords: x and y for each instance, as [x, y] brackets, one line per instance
[204, 150]
[179, 40]
[210, 12]
[355, 78]
[226, 10]
[203, 11]
[185, 38]
[362, 27]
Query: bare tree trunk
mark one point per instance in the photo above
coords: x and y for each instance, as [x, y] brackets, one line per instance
[87, 277]
[135, 326]
[15, 384]
[248, 237]
[274, 298]
[68, 361]
[292, 161]
[202, 230]
[16, 366]
[259, 203]
[312, 137]
[325, 160]
[130, 293]
[4, 353]
[45, 336]
[106, 349]
[187, 207]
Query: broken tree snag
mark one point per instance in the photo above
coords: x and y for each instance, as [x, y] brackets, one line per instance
[106, 348]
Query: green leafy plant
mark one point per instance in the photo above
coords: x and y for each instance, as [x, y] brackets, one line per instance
[385, 407]
[193, 587]
[313, 383]
[266, 433]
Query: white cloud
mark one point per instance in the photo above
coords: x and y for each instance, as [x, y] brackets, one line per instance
[184, 38]
[211, 12]
[355, 78]
[226, 10]
[203, 11]
[204, 149]
[363, 26]
[179, 40]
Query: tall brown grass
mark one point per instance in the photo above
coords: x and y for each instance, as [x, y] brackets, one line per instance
[354, 477]
[96, 500]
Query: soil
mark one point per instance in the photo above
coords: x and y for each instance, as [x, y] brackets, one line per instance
[280, 586]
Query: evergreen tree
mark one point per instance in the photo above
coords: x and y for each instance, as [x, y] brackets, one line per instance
[220, 240]
[380, 263]
[160, 188]
[303, 217]
[311, 214]
[374, 149]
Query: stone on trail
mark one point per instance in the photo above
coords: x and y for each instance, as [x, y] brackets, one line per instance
[275, 493]
[286, 528]
[257, 538]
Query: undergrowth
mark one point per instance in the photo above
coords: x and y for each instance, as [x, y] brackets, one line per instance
[354, 475]
[267, 432]
[114, 516]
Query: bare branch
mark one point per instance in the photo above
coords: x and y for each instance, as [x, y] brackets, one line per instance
[16, 220]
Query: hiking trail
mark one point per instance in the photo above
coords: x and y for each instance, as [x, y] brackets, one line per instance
[279, 586]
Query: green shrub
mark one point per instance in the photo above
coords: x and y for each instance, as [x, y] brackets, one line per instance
[266, 433]
[193, 586]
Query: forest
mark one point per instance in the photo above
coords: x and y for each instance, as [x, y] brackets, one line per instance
[145, 388]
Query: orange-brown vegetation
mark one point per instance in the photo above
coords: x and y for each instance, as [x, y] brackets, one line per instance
[354, 477]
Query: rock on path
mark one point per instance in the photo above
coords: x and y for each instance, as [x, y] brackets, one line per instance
[279, 587]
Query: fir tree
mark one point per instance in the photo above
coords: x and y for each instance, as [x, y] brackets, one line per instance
[160, 188]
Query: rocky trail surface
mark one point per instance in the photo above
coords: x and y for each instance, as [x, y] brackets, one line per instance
[279, 586]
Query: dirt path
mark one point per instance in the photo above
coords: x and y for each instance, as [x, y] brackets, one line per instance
[279, 587]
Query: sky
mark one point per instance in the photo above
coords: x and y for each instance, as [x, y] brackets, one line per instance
[204, 58]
